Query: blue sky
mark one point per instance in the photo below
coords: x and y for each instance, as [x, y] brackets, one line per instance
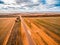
[30, 5]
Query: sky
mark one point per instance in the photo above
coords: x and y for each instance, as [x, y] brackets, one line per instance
[30, 5]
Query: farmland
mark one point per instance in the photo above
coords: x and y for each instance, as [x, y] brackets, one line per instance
[27, 30]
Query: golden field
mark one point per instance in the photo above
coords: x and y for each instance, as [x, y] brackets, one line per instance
[30, 29]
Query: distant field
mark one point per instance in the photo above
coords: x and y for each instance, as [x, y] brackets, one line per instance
[54, 20]
[40, 30]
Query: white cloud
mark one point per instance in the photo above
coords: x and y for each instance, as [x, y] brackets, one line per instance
[9, 1]
[52, 1]
[34, 1]
[29, 7]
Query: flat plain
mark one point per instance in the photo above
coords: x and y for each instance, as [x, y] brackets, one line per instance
[30, 30]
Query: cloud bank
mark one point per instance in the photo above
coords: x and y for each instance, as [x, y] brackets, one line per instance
[30, 5]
